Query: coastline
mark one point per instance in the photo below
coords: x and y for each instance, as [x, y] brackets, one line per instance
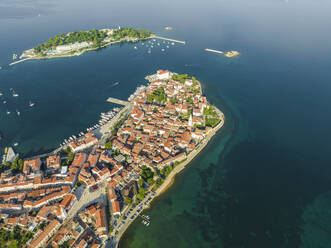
[169, 181]
[78, 53]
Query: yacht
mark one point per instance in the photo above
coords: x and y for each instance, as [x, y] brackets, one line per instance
[31, 104]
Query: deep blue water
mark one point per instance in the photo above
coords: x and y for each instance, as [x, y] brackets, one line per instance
[264, 180]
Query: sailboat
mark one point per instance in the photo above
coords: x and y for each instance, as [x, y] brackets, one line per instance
[31, 104]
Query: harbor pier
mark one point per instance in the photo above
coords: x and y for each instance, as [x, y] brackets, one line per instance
[214, 51]
[167, 39]
[117, 101]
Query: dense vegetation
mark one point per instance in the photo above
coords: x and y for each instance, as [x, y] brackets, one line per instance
[70, 157]
[94, 36]
[131, 32]
[212, 119]
[109, 145]
[158, 96]
[147, 174]
[15, 238]
[16, 165]
[180, 77]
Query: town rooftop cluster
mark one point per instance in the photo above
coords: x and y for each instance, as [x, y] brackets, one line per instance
[166, 122]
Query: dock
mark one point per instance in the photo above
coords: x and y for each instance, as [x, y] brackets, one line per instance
[167, 39]
[213, 51]
[117, 101]
[18, 61]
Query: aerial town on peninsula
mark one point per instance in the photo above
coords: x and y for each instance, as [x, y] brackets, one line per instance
[87, 192]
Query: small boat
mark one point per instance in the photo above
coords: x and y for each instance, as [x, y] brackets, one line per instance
[16, 144]
[15, 56]
[1, 94]
[135, 47]
[158, 44]
[15, 94]
[4, 102]
[162, 49]
[11, 89]
[149, 51]
[167, 46]
[18, 112]
[8, 112]
[142, 43]
[172, 43]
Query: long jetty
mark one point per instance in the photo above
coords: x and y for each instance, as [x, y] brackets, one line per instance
[163, 38]
[18, 61]
[213, 51]
[117, 101]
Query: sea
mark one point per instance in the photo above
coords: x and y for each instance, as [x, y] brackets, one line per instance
[265, 179]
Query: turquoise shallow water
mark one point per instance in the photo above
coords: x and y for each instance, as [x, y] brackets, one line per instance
[264, 179]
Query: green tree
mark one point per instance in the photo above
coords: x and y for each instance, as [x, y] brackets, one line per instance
[128, 200]
[141, 182]
[109, 145]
